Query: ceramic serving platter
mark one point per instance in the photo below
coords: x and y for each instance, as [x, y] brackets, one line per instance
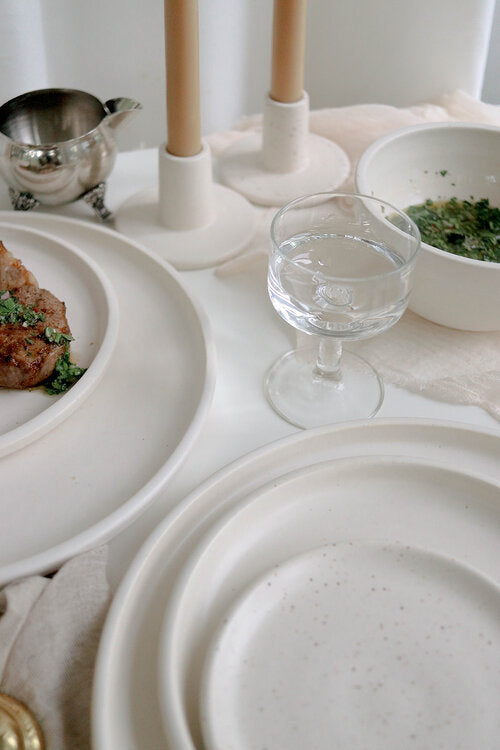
[90, 476]
[131, 692]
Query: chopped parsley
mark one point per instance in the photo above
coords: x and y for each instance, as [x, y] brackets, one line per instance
[12, 311]
[65, 375]
[56, 337]
[463, 227]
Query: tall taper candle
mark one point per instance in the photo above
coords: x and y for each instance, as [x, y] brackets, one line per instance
[289, 37]
[183, 77]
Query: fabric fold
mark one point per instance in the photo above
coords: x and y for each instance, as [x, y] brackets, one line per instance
[49, 634]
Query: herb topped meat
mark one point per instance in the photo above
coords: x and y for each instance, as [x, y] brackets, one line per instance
[34, 331]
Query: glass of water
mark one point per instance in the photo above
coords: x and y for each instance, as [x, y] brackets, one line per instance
[340, 269]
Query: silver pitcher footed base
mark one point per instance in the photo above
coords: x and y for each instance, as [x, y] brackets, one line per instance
[95, 199]
[23, 201]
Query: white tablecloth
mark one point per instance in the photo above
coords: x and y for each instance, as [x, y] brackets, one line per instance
[240, 418]
[248, 337]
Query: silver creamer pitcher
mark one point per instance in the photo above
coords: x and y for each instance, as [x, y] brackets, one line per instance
[58, 145]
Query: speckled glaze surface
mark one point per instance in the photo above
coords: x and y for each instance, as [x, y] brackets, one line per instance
[357, 644]
[285, 160]
[428, 533]
[133, 680]
[189, 220]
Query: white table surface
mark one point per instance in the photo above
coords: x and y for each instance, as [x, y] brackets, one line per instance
[248, 337]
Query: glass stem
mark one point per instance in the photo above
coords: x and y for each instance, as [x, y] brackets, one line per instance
[329, 356]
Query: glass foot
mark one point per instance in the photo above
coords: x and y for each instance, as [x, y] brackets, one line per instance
[306, 399]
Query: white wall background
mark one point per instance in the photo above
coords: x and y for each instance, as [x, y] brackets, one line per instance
[377, 50]
[491, 85]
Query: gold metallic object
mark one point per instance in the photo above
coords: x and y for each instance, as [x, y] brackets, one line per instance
[19, 729]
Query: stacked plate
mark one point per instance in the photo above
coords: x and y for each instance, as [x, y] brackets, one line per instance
[337, 589]
[78, 467]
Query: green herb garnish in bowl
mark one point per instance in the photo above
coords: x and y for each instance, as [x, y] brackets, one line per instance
[467, 228]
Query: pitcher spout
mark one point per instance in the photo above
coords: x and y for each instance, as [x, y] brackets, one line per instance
[119, 111]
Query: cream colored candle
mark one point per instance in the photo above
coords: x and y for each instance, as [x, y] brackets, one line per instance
[289, 37]
[183, 77]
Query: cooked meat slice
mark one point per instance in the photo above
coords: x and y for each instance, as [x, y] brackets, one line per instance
[12, 272]
[26, 356]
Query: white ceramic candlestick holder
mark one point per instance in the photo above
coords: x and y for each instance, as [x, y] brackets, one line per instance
[189, 220]
[286, 160]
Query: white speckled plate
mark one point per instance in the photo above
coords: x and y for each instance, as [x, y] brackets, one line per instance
[129, 702]
[353, 644]
[392, 499]
[93, 316]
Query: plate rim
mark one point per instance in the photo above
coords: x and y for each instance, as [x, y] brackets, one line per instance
[107, 527]
[129, 588]
[82, 389]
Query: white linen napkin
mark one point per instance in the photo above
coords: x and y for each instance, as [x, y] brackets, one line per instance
[49, 633]
[448, 365]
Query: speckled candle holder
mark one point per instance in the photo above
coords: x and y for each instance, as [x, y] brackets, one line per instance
[188, 220]
[286, 160]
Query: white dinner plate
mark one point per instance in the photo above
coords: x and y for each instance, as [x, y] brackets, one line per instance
[355, 645]
[93, 317]
[126, 709]
[91, 475]
[351, 499]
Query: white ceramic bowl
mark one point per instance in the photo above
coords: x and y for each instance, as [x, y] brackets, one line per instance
[439, 161]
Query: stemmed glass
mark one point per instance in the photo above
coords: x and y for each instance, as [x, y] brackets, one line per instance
[340, 269]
